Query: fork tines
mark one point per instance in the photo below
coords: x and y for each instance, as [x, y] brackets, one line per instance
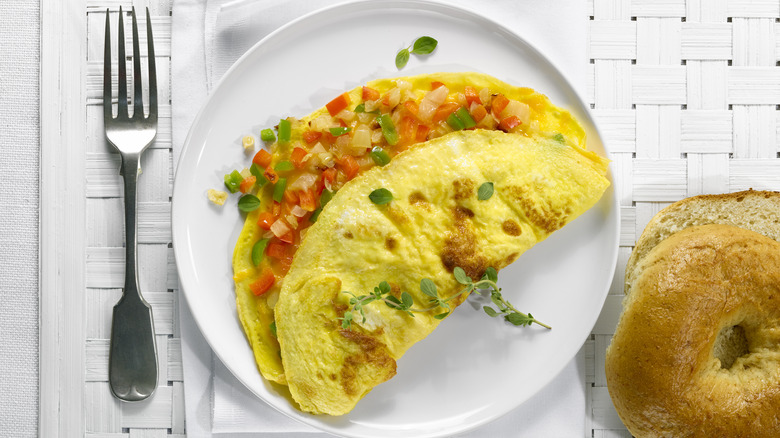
[122, 109]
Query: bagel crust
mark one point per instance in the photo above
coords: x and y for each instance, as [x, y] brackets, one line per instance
[662, 373]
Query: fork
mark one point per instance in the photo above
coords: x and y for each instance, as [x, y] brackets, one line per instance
[132, 363]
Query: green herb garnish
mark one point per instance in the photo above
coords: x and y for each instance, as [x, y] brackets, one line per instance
[380, 196]
[422, 46]
[258, 249]
[248, 203]
[406, 302]
[485, 191]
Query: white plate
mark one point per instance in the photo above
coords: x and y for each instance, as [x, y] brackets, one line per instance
[472, 369]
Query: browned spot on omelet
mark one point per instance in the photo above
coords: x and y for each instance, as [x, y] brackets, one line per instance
[370, 358]
[460, 246]
[419, 200]
[395, 290]
[348, 235]
[397, 215]
[511, 227]
[391, 243]
[543, 216]
[463, 187]
[511, 258]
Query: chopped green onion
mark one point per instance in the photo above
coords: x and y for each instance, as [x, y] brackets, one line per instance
[559, 138]
[285, 130]
[279, 189]
[379, 156]
[388, 129]
[258, 250]
[455, 123]
[267, 134]
[233, 181]
[248, 203]
[325, 197]
[341, 130]
[361, 108]
[465, 117]
[314, 215]
[272, 327]
[259, 173]
[284, 166]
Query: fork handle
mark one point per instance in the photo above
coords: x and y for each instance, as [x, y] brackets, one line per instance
[132, 365]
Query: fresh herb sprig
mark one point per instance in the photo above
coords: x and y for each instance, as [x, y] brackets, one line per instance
[406, 302]
[488, 285]
[422, 46]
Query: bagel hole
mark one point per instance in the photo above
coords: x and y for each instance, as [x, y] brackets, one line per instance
[730, 345]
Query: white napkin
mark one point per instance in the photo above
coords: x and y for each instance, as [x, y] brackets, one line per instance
[206, 40]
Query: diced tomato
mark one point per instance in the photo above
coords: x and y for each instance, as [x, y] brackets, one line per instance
[478, 113]
[338, 104]
[247, 184]
[271, 175]
[307, 201]
[472, 95]
[422, 132]
[370, 94]
[263, 282]
[311, 136]
[329, 175]
[265, 219]
[436, 84]
[408, 130]
[297, 156]
[290, 197]
[444, 111]
[412, 107]
[350, 166]
[262, 158]
[276, 250]
[499, 103]
[327, 138]
[509, 123]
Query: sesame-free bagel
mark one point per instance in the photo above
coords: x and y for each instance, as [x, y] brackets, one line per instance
[696, 352]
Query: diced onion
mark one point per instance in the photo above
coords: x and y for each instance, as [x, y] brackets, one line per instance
[518, 109]
[394, 97]
[303, 182]
[484, 96]
[371, 105]
[292, 220]
[298, 211]
[322, 123]
[346, 115]
[361, 137]
[432, 100]
[279, 228]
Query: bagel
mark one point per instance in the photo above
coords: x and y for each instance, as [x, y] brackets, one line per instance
[753, 210]
[696, 352]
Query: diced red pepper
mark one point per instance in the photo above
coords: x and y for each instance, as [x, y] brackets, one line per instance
[478, 113]
[297, 156]
[422, 132]
[471, 95]
[263, 283]
[262, 158]
[276, 250]
[408, 130]
[412, 107]
[329, 175]
[311, 136]
[307, 200]
[370, 94]
[247, 184]
[276, 210]
[350, 166]
[265, 219]
[436, 84]
[509, 123]
[290, 197]
[338, 104]
[289, 237]
[444, 111]
[499, 103]
[271, 175]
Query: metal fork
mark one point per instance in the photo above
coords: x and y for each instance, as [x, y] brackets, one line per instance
[132, 363]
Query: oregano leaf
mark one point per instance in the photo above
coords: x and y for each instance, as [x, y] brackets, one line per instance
[428, 287]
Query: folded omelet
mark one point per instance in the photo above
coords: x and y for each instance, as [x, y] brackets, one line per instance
[493, 104]
[434, 223]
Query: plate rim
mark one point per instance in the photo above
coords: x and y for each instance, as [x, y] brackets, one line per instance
[442, 8]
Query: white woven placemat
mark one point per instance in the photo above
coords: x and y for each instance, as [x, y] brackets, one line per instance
[687, 96]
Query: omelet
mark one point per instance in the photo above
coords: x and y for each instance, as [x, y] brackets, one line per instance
[318, 156]
[434, 223]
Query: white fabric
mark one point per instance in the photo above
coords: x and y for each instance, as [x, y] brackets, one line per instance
[19, 155]
[206, 40]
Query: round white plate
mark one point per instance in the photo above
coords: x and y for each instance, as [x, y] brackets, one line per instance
[473, 368]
